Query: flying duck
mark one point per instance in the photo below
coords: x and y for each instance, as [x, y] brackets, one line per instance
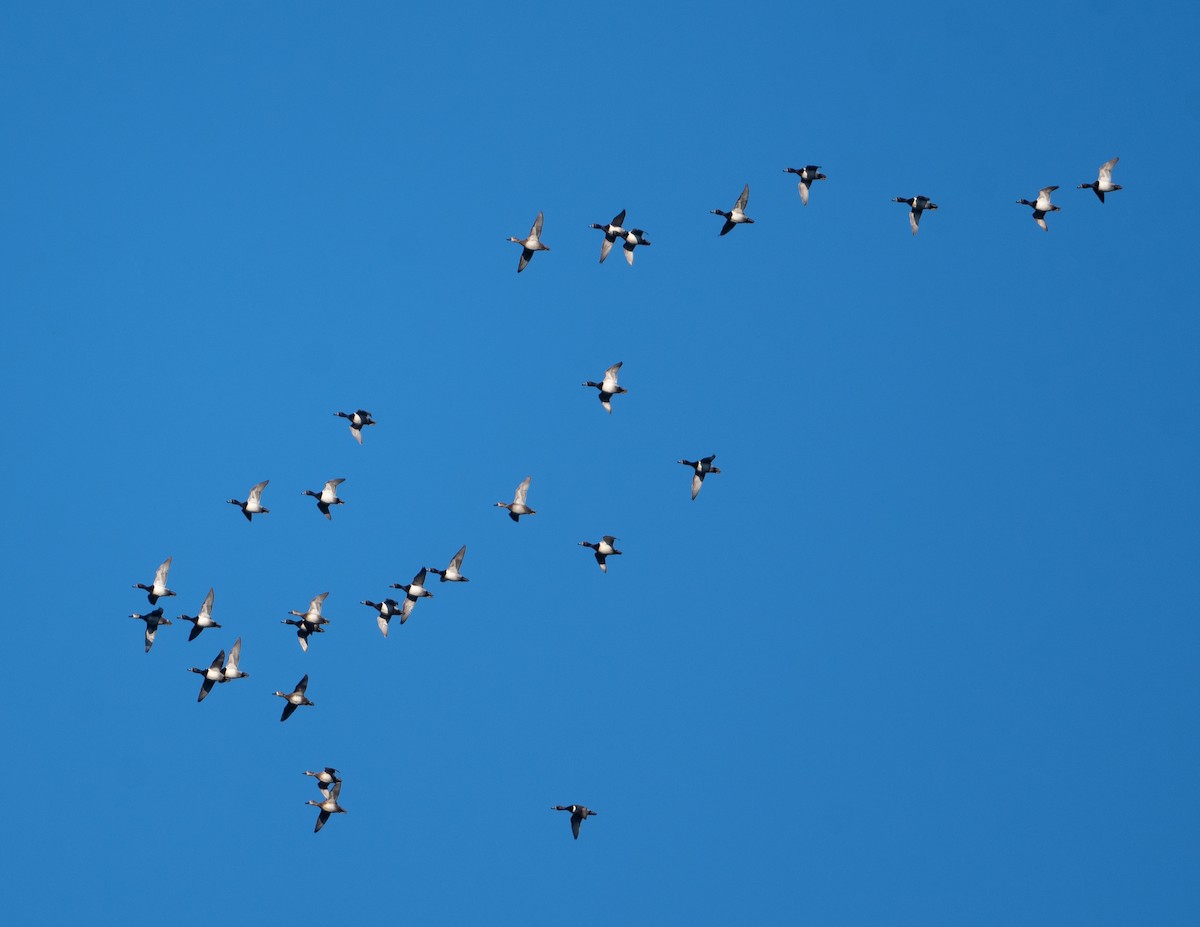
[158, 589]
[608, 386]
[153, 620]
[303, 630]
[253, 504]
[327, 497]
[737, 215]
[386, 609]
[531, 244]
[603, 549]
[325, 778]
[1102, 184]
[578, 815]
[230, 671]
[807, 175]
[204, 619]
[612, 231]
[917, 204]
[1041, 206]
[330, 803]
[451, 574]
[701, 468]
[517, 507]
[413, 591]
[358, 421]
[211, 675]
[633, 238]
[295, 698]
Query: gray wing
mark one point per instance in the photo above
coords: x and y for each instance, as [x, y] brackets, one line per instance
[235, 654]
[256, 492]
[456, 562]
[302, 685]
[526, 254]
[743, 199]
[357, 432]
[522, 491]
[610, 378]
[605, 247]
[1106, 169]
[206, 608]
[536, 231]
[332, 485]
[914, 219]
[697, 482]
[160, 575]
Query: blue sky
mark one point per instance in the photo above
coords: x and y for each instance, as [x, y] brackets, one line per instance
[924, 653]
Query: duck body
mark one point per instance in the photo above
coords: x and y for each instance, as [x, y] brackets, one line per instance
[700, 469]
[611, 231]
[1041, 206]
[253, 504]
[412, 591]
[327, 497]
[326, 778]
[517, 507]
[608, 387]
[736, 216]
[386, 610]
[917, 205]
[359, 420]
[230, 671]
[1103, 183]
[633, 238]
[303, 630]
[603, 550]
[295, 698]
[530, 244]
[579, 814]
[204, 619]
[452, 573]
[329, 805]
[154, 620]
[212, 675]
[158, 589]
[807, 175]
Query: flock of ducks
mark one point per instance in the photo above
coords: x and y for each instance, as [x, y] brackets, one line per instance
[226, 668]
[807, 175]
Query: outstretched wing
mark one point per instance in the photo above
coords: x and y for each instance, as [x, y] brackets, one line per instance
[610, 378]
[256, 492]
[456, 561]
[802, 186]
[302, 685]
[1106, 169]
[522, 491]
[536, 231]
[743, 199]
[160, 575]
[728, 226]
[235, 654]
[605, 246]
[914, 219]
[206, 608]
[526, 254]
[357, 432]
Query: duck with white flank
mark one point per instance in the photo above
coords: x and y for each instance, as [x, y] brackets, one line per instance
[212, 675]
[204, 619]
[329, 805]
[531, 244]
[295, 698]
[154, 620]
[386, 610]
[313, 616]
[158, 589]
[253, 504]
[608, 386]
[612, 232]
[579, 814]
[230, 670]
[603, 549]
[358, 421]
[917, 205]
[327, 496]
[701, 468]
[807, 175]
[303, 630]
[451, 574]
[1102, 184]
[517, 507]
[737, 215]
[325, 778]
[633, 238]
[1041, 206]
[413, 591]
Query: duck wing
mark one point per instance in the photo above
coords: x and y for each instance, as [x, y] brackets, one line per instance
[160, 575]
[802, 187]
[235, 654]
[456, 561]
[206, 608]
[522, 491]
[1106, 169]
[697, 482]
[610, 378]
[729, 226]
[256, 493]
[536, 232]
[606, 246]
[526, 254]
[302, 685]
[743, 199]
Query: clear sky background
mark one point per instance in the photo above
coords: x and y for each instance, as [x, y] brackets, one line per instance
[924, 653]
